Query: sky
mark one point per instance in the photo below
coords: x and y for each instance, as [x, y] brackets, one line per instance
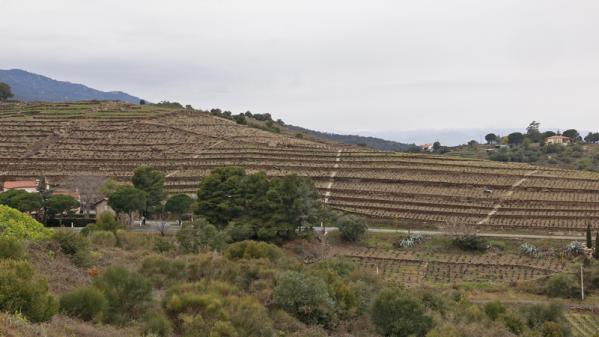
[376, 66]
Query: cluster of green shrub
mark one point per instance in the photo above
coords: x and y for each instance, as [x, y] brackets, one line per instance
[253, 206]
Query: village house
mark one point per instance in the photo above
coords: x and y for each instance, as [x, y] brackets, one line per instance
[102, 206]
[426, 147]
[23, 185]
[558, 139]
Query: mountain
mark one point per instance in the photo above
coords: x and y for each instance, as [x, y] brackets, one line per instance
[28, 86]
[371, 142]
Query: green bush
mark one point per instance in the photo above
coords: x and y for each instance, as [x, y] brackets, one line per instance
[127, 292]
[351, 227]
[212, 308]
[562, 285]
[75, 245]
[305, 297]
[156, 324]
[11, 249]
[471, 242]
[394, 313]
[21, 291]
[514, 323]
[200, 234]
[253, 250]
[102, 238]
[163, 245]
[88, 304]
[16, 225]
[163, 271]
[494, 309]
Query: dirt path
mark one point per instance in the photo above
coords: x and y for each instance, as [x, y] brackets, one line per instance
[507, 195]
[483, 234]
[327, 194]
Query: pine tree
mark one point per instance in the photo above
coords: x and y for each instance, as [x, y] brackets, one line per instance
[596, 251]
[589, 237]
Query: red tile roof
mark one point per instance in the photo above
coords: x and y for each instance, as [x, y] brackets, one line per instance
[20, 184]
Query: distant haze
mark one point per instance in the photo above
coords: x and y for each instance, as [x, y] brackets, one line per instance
[358, 66]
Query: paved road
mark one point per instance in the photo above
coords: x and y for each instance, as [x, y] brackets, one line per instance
[154, 226]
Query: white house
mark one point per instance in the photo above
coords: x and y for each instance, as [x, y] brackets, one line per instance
[558, 139]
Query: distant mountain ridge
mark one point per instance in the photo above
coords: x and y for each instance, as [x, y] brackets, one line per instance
[371, 142]
[28, 86]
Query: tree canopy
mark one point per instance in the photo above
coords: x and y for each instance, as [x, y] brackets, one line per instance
[59, 204]
[515, 138]
[178, 204]
[150, 181]
[491, 138]
[271, 210]
[5, 92]
[14, 224]
[21, 200]
[127, 199]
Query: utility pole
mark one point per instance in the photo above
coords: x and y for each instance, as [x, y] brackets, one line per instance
[581, 283]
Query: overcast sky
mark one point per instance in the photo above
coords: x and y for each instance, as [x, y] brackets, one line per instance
[333, 65]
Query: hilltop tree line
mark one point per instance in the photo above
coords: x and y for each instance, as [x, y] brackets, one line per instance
[534, 135]
[531, 147]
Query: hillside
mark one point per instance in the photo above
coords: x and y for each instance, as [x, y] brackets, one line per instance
[112, 139]
[371, 142]
[28, 86]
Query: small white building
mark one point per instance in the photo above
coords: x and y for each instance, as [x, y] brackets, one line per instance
[426, 147]
[558, 139]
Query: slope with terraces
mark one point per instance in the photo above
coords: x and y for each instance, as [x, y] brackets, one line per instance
[112, 139]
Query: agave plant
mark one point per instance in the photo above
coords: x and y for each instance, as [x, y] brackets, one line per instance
[575, 248]
[411, 241]
[528, 249]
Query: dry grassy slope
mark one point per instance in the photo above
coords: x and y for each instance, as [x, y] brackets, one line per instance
[112, 139]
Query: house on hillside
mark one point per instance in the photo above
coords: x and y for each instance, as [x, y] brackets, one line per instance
[426, 147]
[102, 206]
[558, 139]
[23, 185]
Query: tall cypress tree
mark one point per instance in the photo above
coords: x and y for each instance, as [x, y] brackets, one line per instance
[589, 237]
[596, 251]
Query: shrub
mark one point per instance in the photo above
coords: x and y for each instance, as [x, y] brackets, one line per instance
[200, 234]
[21, 291]
[162, 271]
[494, 309]
[16, 225]
[471, 242]
[216, 307]
[562, 285]
[351, 227]
[514, 323]
[305, 297]
[537, 314]
[107, 222]
[127, 293]
[75, 245]
[253, 250]
[397, 314]
[163, 245]
[88, 304]
[11, 249]
[156, 324]
[102, 238]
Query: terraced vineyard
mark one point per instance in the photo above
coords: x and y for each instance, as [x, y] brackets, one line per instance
[410, 269]
[112, 139]
[583, 325]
